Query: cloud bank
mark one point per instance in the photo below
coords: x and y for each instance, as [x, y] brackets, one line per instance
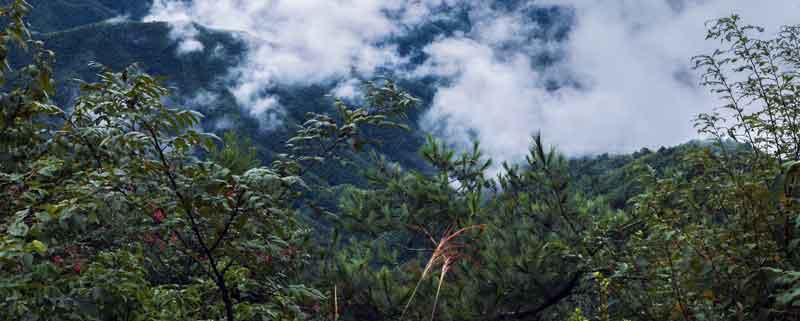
[625, 76]
[620, 80]
[295, 41]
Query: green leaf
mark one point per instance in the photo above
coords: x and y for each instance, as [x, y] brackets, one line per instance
[46, 82]
[27, 261]
[18, 229]
[39, 247]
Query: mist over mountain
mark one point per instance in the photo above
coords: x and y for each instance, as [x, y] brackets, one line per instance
[593, 78]
[58, 15]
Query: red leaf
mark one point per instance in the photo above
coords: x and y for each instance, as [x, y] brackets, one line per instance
[159, 216]
[149, 238]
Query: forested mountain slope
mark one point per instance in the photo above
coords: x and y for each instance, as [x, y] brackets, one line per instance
[108, 33]
[58, 15]
[198, 78]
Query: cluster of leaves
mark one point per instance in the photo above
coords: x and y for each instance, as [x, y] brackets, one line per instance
[708, 231]
[516, 247]
[109, 211]
[719, 232]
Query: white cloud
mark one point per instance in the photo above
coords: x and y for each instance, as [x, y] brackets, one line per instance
[203, 100]
[224, 123]
[291, 41]
[631, 60]
[118, 19]
[348, 90]
[183, 28]
[488, 99]
[190, 45]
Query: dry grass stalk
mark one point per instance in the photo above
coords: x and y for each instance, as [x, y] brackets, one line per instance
[335, 304]
[445, 254]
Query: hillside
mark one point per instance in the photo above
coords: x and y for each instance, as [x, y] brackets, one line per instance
[81, 32]
[58, 15]
[117, 44]
[107, 32]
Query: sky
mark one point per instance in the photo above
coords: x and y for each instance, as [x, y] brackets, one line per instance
[624, 75]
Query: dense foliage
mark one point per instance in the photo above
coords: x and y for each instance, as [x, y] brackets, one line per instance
[118, 207]
[110, 210]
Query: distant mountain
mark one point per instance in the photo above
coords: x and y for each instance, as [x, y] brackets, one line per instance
[110, 32]
[83, 31]
[56, 15]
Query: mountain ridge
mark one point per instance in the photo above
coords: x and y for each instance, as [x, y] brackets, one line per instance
[93, 38]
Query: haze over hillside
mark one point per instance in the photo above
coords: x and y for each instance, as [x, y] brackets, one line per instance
[593, 78]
